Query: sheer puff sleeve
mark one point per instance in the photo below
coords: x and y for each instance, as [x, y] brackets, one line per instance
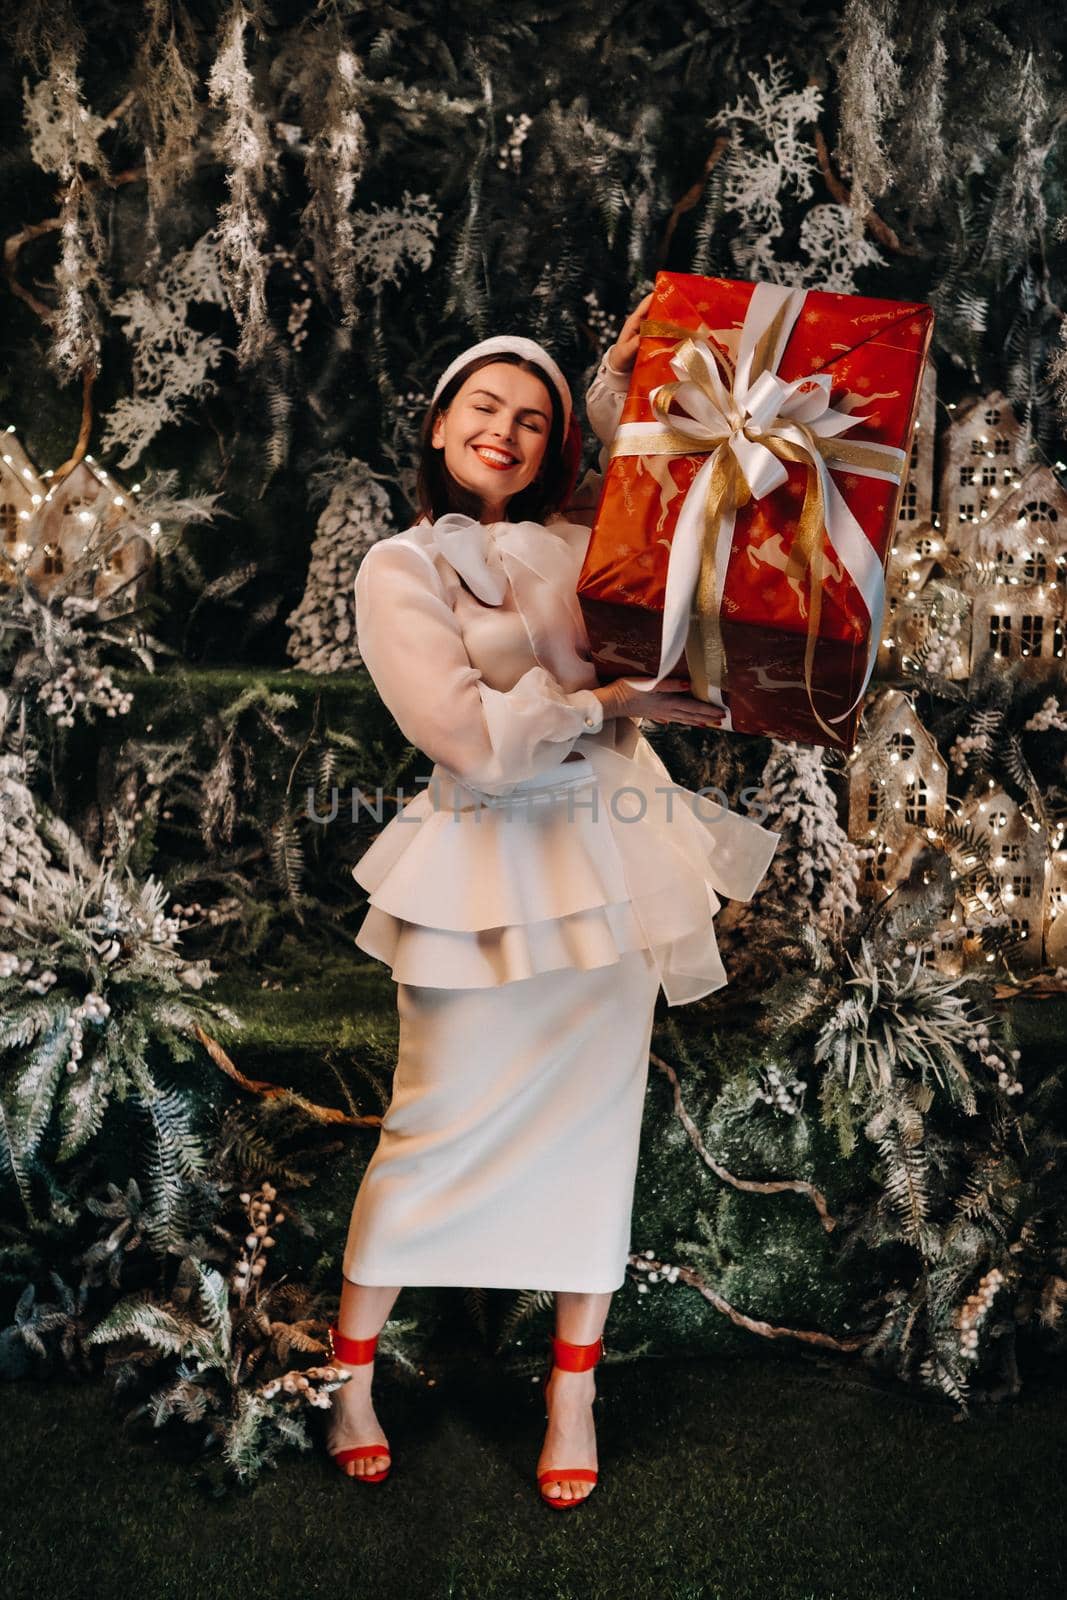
[412, 646]
[603, 404]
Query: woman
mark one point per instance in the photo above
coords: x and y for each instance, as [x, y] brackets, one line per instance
[528, 914]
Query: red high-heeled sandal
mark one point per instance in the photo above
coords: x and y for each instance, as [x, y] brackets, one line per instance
[356, 1352]
[572, 1358]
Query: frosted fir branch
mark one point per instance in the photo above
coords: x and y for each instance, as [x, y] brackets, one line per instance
[758, 170]
[172, 362]
[772, 159]
[64, 139]
[169, 105]
[243, 144]
[64, 133]
[835, 251]
[870, 92]
[1019, 213]
[388, 238]
[335, 161]
[921, 139]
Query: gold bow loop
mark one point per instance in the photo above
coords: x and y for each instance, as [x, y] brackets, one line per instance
[748, 421]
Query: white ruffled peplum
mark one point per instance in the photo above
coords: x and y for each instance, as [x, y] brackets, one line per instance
[574, 868]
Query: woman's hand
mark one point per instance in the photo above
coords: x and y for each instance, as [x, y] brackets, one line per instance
[623, 352]
[667, 703]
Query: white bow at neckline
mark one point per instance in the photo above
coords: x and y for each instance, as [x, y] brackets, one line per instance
[476, 551]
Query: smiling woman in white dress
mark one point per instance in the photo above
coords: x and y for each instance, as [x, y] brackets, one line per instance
[530, 901]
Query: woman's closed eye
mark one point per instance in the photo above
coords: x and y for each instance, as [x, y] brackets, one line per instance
[533, 425]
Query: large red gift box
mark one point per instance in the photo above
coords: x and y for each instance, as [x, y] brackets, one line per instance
[774, 584]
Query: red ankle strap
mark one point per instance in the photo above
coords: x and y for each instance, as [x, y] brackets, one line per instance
[354, 1352]
[576, 1357]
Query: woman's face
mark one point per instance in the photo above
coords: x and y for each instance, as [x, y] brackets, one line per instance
[494, 434]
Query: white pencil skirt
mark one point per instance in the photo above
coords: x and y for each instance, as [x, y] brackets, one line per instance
[507, 1155]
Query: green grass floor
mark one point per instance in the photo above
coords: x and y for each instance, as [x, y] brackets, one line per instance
[720, 1479]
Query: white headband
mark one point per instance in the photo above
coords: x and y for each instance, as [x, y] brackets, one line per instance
[529, 348]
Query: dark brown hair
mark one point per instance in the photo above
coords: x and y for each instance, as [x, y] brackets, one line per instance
[438, 492]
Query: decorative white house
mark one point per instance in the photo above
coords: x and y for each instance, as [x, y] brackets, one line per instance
[1019, 865]
[21, 492]
[897, 786]
[1014, 567]
[1056, 910]
[983, 456]
[986, 574]
[922, 600]
[917, 498]
[45, 527]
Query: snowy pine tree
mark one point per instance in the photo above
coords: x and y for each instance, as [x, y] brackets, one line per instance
[323, 636]
[816, 866]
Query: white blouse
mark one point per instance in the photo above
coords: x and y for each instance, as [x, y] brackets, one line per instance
[475, 639]
[420, 633]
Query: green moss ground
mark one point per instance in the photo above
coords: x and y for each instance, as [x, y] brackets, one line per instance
[721, 1480]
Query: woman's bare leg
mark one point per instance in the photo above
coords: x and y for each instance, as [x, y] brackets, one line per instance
[571, 1437]
[364, 1310]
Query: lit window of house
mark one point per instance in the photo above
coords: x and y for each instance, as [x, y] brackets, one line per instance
[903, 744]
[1004, 558]
[1000, 635]
[75, 504]
[977, 447]
[965, 509]
[1035, 567]
[1040, 511]
[997, 821]
[874, 867]
[1031, 632]
[1021, 927]
[925, 547]
[1013, 852]
[915, 801]
[53, 559]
